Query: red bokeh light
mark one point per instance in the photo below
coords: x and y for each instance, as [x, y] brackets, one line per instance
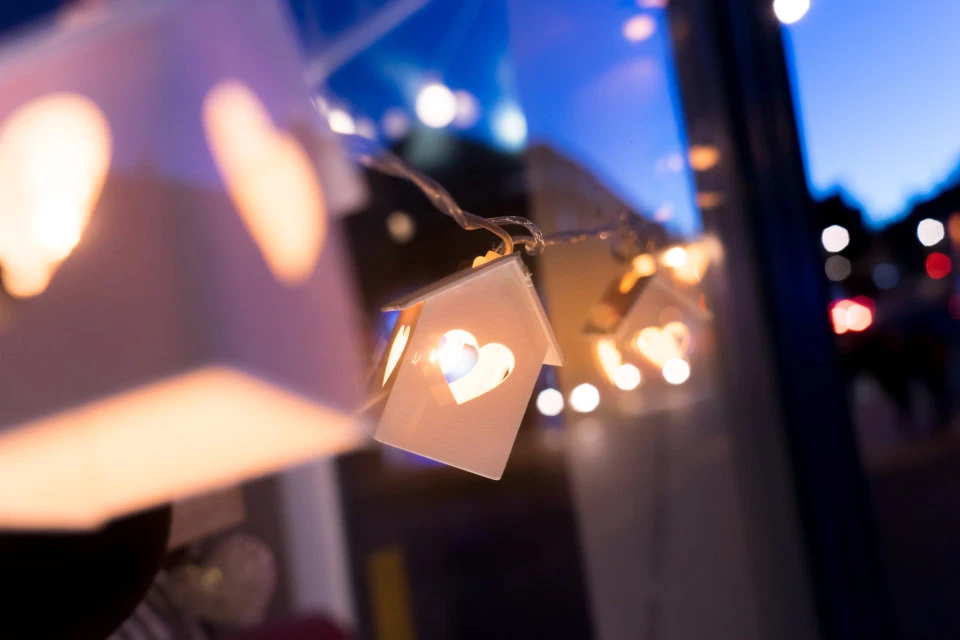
[953, 306]
[938, 265]
[852, 315]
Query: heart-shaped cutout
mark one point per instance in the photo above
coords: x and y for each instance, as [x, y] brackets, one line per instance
[270, 178]
[660, 344]
[54, 157]
[472, 370]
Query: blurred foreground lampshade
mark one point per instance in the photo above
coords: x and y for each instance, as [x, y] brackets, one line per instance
[180, 317]
[460, 367]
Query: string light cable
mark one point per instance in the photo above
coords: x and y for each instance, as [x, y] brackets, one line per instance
[629, 228]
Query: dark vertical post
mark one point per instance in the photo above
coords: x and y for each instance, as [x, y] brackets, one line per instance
[795, 445]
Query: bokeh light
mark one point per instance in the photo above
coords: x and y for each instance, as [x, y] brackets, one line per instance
[550, 402]
[584, 398]
[510, 126]
[467, 110]
[401, 227]
[851, 315]
[930, 232]
[366, 128]
[639, 28]
[703, 157]
[395, 123]
[675, 257]
[676, 371]
[341, 122]
[789, 11]
[886, 275]
[696, 261]
[837, 268]
[609, 357]
[938, 265]
[644, 265]
[436, 105]
[627, 377]
[835, 238]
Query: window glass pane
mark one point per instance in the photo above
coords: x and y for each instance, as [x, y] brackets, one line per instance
[875, 91]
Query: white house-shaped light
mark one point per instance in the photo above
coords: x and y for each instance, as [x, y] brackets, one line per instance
[647, 321]
[461, 366]
[176, 330]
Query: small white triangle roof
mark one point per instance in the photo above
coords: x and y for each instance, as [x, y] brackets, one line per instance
[554, 355]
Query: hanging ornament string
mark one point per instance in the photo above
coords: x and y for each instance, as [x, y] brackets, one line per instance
[368, 154]
[389, 163]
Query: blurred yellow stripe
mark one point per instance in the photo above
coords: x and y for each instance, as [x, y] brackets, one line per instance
[390, 594]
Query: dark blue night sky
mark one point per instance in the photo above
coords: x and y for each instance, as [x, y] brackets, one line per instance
[876, 82]
[879, 99]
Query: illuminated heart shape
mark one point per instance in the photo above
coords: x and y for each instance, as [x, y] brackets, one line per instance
[472, 370]
[54, 157]
[660, 344]
[270, 178]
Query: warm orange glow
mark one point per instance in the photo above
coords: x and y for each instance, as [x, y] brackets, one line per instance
[851, 315]
[54, 158]
[703, 157]
[674, 257]
[695, 265]
[471, 370]
[396, 350]
[603, 315]
[609, 357]
[622, 375]
[953, 227]
[709, 199]
[270, 178]
[194, 433]
[644, 265]
[628, 281]
[660, 344]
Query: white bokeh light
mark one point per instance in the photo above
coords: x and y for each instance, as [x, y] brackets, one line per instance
[341, 122]
[627, 377]
[789, 11]
[468, 110]
[510, 126]
[584, 398]
[550, 402]
[395, 123]
[676, 371]
[675, 257]
[639, 28]
[835, 238]
[436, 105]
[401, 227]
[930, 232]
